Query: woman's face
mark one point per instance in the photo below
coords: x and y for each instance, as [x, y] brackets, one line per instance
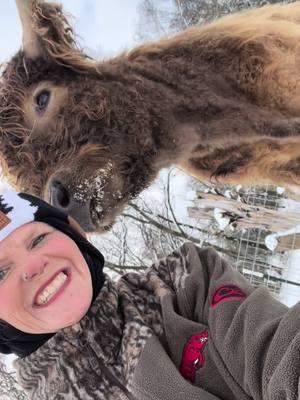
[45, 283]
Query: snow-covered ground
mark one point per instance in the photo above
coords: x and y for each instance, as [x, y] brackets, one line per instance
[290, 294]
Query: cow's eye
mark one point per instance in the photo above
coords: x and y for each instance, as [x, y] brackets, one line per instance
[42, 100]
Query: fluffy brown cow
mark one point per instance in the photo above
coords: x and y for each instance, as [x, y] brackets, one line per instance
[221, 101]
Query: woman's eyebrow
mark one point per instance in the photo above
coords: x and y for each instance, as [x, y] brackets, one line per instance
[37, 230]
[34, 231]
[25, 236]
[29, 234]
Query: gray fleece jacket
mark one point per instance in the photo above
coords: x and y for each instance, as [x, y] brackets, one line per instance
[190, 327]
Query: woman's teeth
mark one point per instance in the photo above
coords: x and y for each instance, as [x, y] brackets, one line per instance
[51, 289]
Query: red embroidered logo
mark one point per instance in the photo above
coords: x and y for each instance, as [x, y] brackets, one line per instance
[193, 357]
[227, 292]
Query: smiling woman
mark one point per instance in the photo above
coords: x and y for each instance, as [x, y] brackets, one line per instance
[49, 276]
[46, 263]
[190, 327]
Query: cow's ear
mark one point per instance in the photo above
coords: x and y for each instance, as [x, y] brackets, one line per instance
[47, 33]
[31, 45]
[75, 225]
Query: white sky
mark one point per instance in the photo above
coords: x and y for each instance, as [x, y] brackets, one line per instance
[105, 26]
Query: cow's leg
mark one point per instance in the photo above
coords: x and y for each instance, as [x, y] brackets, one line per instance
[268, 161]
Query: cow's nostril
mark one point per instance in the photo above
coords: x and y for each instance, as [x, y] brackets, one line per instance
[59, 195]
[63, 198]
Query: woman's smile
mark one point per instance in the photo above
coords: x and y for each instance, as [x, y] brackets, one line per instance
[52, 289]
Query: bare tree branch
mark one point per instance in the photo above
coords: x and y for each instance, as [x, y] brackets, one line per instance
[171, 208]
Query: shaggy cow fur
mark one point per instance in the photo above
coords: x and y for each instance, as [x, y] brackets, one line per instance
[221, 101]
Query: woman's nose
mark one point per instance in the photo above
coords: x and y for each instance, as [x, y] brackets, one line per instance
[33, 266]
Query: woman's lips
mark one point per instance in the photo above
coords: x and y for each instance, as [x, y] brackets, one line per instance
[52, 292]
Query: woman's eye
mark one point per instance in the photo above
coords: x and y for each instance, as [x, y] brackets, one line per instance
[42, 100]
[38, 240]
[3, 273]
